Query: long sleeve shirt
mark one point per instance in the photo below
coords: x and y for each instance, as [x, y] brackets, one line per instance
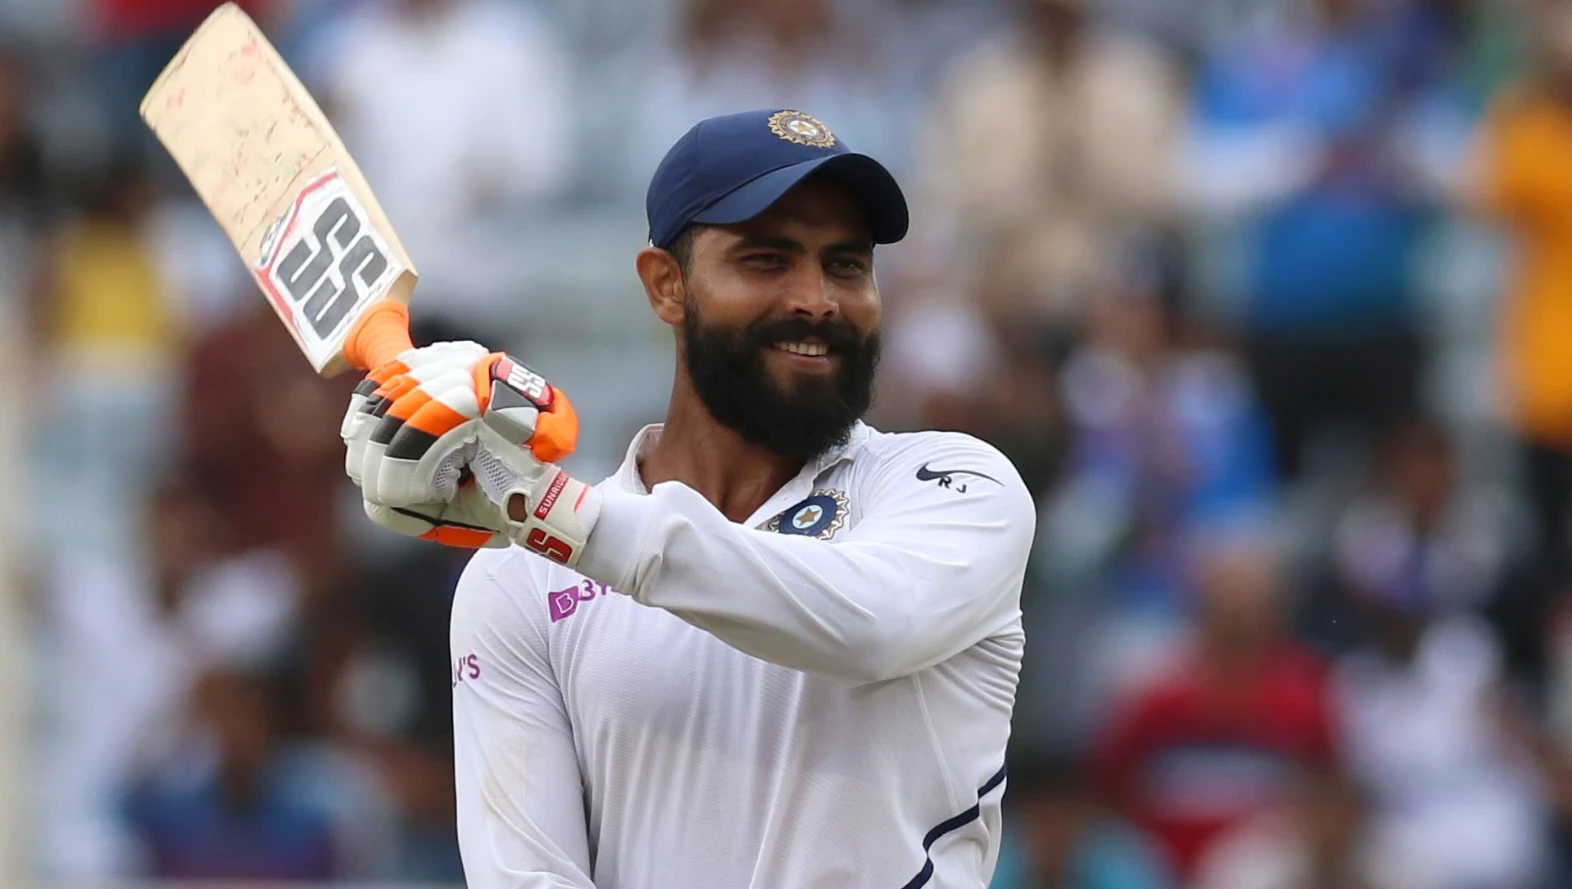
[818, 696]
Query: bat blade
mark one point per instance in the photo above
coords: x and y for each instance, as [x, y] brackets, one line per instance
[268, 165]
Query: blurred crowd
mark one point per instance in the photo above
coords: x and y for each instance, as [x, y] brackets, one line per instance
[1268, 300]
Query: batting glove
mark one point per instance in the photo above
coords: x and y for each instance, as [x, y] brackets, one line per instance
[454, 434]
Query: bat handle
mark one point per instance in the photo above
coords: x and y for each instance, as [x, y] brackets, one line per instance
[379, 335]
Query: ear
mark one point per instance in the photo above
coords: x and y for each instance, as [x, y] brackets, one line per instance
[663, 284]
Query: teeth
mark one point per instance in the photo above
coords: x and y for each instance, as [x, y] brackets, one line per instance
[811, 349]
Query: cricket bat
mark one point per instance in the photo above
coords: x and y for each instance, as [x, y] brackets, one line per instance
[267, 163]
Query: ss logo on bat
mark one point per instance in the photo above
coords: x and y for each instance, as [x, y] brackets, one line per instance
[320, 273]
[322, 260]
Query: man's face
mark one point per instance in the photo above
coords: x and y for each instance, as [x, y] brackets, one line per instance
[1240, 595]
[780, 329]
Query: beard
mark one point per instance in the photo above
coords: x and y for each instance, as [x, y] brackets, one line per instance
[728, 371]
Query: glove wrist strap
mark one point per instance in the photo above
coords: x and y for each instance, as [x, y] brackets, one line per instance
[552, 516]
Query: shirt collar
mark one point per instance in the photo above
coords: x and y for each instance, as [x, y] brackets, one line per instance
[628, 479]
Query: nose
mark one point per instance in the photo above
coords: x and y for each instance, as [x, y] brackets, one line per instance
[813, 296]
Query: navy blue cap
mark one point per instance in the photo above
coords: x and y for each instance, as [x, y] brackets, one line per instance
[730, 169]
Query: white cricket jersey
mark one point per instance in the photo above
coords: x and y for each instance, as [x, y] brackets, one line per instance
[817, 697]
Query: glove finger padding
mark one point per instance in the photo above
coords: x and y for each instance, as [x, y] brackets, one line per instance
[429, 434]
[411, 419]
[376, 393]
[364, 410]
[469, 521]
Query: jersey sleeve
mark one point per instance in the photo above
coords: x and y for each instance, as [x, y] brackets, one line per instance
[934, 565]
[521, 821]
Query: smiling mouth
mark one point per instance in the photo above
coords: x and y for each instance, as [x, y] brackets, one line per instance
[807, 350]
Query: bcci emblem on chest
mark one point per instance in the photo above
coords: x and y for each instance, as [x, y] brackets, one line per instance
[821, 515]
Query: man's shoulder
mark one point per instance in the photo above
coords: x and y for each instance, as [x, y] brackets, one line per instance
[501, 564]
[502, 587]
[932, 455]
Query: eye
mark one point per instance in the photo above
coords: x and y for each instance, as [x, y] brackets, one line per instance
[849, 266]
[765, 261]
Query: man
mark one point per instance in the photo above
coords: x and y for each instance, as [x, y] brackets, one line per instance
[1237, 717]
[1529, 199]
[778, 648]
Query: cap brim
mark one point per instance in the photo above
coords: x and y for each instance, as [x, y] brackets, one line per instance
[869, 183]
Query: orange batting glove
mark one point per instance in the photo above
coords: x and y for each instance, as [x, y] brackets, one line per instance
[452, 436]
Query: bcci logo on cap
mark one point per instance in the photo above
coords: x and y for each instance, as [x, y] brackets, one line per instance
[803, 129]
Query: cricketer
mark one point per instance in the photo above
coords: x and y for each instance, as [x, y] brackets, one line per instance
[778, 648]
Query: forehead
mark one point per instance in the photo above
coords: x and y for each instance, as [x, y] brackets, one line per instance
[816, 209]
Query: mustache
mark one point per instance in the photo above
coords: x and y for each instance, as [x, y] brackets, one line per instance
[837, 335]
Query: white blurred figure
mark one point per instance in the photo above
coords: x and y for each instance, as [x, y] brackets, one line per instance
[1318, 841]
[1453, 796]
[935, 351]
[1047, 141]
[453, 109]
[1428, 727]
[722, 56]
[124, 641]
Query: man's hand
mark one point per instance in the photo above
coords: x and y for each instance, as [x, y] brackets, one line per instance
[439, 439]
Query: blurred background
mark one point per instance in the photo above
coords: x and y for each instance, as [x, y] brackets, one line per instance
[1268, 300]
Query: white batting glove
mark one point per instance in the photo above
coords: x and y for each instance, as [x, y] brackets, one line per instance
[461, 433]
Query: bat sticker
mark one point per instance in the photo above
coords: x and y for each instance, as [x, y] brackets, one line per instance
[322, 262]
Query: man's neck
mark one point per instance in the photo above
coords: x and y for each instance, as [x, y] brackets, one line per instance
[735, 475]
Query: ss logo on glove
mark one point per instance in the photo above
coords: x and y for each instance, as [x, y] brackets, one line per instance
[525, 380]
[537, 540]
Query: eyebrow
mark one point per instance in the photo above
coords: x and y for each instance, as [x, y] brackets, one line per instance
[788, 245]
[861, 248]
[768, 242]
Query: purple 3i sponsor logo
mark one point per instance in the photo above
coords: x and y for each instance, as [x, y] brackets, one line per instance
[566, 601]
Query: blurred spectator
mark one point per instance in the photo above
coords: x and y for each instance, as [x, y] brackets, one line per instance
[101, 298]
[1455, 795]
[1025, 210]
[1316, 841]
[226, 815]
[456, 110]
[25, 197]
[1167, 441]
[1325, 147]
[108, 344]
[1230, 728]
[125, 641]
[24, 181]
[135, 39]
[404, 594]
[426, 845]
[1059, 838]
[1165, 445]
[946, 368]
[1522, 184]
[1418, 537]
[259, 430]
[723, 56]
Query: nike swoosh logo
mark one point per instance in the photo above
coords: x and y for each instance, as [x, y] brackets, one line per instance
[924, 474]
